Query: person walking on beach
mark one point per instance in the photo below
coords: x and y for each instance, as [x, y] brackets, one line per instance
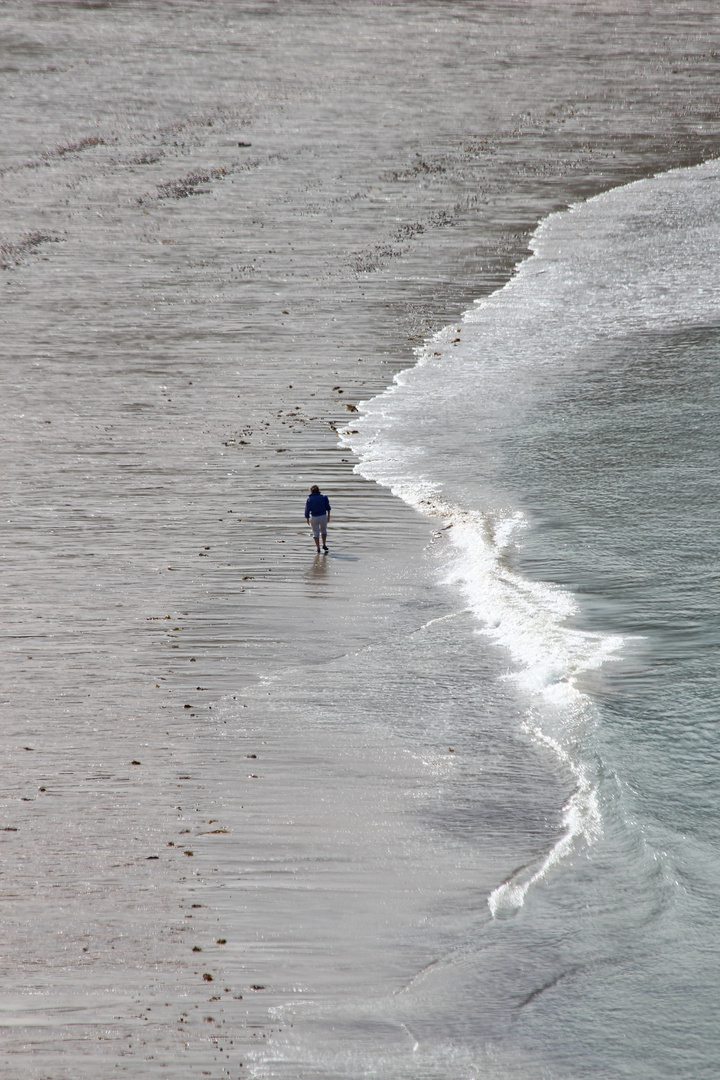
[317, 515]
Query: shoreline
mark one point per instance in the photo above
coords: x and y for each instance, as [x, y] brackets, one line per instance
[379, 198]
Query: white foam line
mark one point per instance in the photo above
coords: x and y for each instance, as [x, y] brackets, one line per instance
[444, 618]
[581, 818]
[528, 618]
[638, 279]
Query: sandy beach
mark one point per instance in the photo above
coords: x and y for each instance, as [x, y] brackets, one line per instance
[223, 228]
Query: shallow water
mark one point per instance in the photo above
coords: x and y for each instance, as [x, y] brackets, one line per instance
[578, 483]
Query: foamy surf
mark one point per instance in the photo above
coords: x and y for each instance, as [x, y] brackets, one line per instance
[417, 438]
[608, 268]
[529, 620]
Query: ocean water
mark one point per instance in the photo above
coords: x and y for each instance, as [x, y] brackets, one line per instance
[565, 436]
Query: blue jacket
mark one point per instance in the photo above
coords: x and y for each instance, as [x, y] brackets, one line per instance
[317, 505]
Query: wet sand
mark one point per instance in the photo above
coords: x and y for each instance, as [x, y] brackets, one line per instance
[266, 207]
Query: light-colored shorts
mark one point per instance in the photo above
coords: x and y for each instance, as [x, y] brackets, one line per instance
[318, 523]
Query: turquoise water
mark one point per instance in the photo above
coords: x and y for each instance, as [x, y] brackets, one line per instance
[628, 520]
[566, 433]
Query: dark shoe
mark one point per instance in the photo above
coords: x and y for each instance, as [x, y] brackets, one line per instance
[325, 547]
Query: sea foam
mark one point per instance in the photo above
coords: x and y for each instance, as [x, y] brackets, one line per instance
[609, 267]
